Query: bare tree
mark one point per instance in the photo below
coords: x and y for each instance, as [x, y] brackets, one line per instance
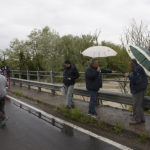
[137, 34]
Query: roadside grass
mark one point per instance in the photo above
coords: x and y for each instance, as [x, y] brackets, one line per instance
[75, 114]
[36, 100]
[102, 124]
[17, 93]
[117, 128]
[143, 137]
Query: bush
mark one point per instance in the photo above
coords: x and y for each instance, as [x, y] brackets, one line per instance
[75, 114]
[117, 128]
[86, 119]
[143, 137]
[102, 124]
[17, 93]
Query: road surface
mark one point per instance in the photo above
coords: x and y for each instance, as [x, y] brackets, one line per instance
[25, 131]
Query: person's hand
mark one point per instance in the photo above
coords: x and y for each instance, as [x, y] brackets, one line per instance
[69, 78]
[114, 71]
[126, 74]
[98, 69]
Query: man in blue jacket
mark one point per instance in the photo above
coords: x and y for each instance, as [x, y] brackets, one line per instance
[138, 85]
[94, 83]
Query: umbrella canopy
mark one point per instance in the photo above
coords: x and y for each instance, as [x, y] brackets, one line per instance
[99, 51]
[142, 56]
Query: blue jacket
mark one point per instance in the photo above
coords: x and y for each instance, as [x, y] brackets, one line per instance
[138, 80]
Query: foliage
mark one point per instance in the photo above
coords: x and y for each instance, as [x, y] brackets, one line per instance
[102, 124]
[36, 101]
[117, 128]
[143, 137]
[45, 49]
[76, 115]
[120, 62]
[130, 108]
[17, 93]
[137, 34]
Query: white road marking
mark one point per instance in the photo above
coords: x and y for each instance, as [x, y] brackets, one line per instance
[115, 144]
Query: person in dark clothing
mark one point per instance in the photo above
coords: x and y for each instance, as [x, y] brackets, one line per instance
[94, 83]
[5, 71]
[138, 84]
[69, 77]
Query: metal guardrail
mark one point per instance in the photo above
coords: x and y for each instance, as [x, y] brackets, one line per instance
[102, 95]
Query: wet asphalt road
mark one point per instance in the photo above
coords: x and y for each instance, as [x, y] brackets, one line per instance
[25, 131]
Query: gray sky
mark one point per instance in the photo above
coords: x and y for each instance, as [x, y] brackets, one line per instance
[19, 17]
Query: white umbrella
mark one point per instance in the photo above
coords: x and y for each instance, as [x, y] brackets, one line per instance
[99, 51]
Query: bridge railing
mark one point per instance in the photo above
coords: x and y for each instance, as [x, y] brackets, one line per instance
[57, 77]
[102, 95]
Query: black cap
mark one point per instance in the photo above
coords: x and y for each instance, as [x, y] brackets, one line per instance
[67, 62]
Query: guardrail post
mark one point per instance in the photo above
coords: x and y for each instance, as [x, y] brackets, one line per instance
[20, 75]
[28, 78]
[52, 81]
[38, 79]
[51, 77]
[13, 77]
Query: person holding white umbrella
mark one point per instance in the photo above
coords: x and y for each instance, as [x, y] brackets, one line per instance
[94, 83]
[92, 75]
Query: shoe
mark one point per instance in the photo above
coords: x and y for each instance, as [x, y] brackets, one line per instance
[68, 107]
[143, 121]
[3, 123]
[131, 114]
[89, 114]
[94, 116]
[133, 122]
[72, 106]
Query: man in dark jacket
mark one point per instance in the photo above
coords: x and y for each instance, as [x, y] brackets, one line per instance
[94, 83]
[138, 85]
[69, 77]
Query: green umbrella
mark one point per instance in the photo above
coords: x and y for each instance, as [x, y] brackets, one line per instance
[142, 56]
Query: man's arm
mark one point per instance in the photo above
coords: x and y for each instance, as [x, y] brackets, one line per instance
[76, 73]
[106, 71]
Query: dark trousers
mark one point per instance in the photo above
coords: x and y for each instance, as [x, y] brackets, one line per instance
[138, 113]
[2, 111]
[92, 103]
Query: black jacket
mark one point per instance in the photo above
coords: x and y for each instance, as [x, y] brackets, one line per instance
[72, 73]
[93, 78]
[138, 80]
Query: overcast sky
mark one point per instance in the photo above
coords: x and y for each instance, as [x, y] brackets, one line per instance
[19, 17]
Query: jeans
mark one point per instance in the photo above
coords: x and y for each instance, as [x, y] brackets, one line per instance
[92, 103]
[69, 95]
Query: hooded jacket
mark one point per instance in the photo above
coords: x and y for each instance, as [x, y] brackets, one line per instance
[70, 72]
